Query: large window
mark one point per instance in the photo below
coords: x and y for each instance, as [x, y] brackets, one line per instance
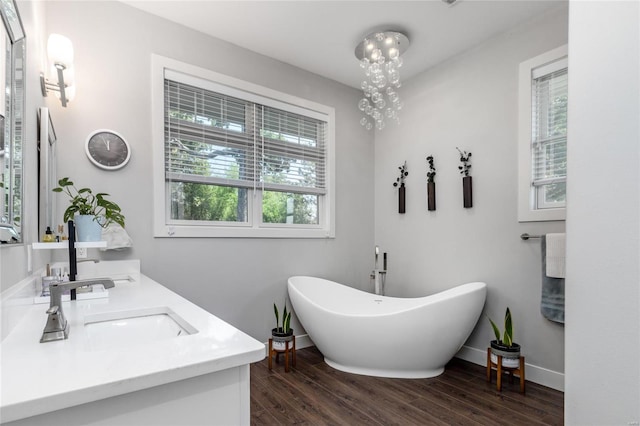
[543, 137]
[238, 160]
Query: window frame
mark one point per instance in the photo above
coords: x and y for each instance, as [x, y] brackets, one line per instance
[527, 210]
[255, 228]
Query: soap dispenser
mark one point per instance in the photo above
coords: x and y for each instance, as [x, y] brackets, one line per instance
[48, 236]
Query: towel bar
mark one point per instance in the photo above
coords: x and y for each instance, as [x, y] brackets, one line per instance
[526, 236]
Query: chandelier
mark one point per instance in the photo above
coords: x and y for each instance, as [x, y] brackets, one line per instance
[379, 55]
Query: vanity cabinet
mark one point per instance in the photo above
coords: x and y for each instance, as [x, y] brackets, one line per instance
[220, 398]
[200, 377]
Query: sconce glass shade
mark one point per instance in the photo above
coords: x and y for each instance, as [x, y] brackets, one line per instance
[60, 50]
[62, 74]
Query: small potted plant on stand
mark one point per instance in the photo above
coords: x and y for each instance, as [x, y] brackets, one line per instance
[282, 333]
[91, 212]
[504, 345]
[282, 339]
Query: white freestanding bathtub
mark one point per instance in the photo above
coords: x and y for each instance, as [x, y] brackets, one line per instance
[364, 333]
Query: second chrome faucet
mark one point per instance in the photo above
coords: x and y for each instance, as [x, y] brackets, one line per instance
[379, 275]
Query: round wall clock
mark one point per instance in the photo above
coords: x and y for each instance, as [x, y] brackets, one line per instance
[107, 149]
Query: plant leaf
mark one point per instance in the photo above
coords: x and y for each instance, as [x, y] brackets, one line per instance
[284, 315]
[275, 310]
[508, 328]
[286, 321]
[496, 330]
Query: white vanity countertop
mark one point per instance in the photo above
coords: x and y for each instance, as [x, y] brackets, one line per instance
[42, 377]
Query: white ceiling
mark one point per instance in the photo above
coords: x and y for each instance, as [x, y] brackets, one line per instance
[321, 35]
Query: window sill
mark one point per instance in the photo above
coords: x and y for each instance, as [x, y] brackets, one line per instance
[239, 232]
[546, 215]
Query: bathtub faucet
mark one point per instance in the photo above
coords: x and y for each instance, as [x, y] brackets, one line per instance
[379, 275]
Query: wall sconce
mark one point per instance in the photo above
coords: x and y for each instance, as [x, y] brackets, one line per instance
[60, 55]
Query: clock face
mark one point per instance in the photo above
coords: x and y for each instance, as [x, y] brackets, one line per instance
[107, 149]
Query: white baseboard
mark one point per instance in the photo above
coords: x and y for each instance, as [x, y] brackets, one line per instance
[533, 373]
[304, 341]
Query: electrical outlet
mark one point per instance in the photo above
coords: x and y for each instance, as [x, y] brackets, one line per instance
[81, 252]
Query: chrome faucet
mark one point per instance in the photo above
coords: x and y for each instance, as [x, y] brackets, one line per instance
[57, 327]
[88, 260]
[379, 276]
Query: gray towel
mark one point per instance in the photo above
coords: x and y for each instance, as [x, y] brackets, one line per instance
[552, 302]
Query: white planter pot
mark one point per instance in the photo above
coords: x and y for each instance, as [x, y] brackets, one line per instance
[506, 362]
[87, 228]
[279, 340]
[510, 355]
[280, 346]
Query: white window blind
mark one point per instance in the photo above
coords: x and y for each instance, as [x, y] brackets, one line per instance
[542, 136]
[218, 139]
[234, 159]
[293, 152]
[208, 138]
[549, 132]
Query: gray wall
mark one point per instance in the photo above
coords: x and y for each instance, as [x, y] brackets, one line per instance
[603, 219]
[470, 102]
[236, 279]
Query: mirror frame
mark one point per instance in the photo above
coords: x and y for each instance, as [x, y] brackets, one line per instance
[13, 129]
[47, 174]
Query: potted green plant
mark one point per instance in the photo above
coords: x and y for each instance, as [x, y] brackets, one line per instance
[283, 331]
[91, 212]
[504, 345]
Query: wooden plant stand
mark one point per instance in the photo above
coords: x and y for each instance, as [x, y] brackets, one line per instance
[290, 347]
[501, 369]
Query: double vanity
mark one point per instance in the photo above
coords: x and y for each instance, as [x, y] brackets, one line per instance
[143, 355]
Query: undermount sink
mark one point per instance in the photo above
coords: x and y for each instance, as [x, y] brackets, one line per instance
[134, 327]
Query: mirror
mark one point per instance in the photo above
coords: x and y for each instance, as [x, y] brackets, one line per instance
[12, 59]
[46, 170]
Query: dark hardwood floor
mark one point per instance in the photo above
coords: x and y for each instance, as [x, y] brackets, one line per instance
[315, 394]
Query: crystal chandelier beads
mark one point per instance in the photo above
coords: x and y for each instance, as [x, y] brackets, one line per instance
[379, 55]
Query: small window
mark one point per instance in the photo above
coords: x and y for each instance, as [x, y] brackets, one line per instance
[237, 160]
[543, 137]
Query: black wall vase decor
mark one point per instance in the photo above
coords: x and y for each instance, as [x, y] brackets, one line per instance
[431, 185]
[467, 192]
[402, 196]
[431, 196]
[401, 188]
